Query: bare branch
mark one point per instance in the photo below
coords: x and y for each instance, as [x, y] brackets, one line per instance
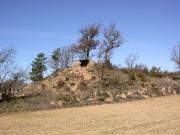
[175, 55]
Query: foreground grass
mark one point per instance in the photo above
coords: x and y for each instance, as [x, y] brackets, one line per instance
[158, 116]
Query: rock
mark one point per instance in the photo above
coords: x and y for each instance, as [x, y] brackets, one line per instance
[145, 96]
[91, 63]
[142, 90]
[60, 103]
[174, 92]
[76, 63]
[110, 97]
[109, 100]
[52, 103]
[169, 89]
[163, 91]
[123, 96]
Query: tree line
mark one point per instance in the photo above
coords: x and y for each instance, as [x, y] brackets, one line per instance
[87, 42]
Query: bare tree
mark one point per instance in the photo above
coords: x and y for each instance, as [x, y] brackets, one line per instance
[6, 60]
[131, 60]
[100, 53]
[9, 76]
[67, 57]
[175, 55]
[87, 41]
[7, 55]
[10, 85]
[112, 40]
[61, 58]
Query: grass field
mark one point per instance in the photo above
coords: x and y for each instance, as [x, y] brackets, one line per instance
[158, 116]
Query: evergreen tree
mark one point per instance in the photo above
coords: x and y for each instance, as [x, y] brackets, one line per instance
[56, 59]
[38, 67]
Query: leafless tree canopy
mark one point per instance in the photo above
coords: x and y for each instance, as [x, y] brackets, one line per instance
[7, 55]
[112, 39]
[61, 58]
[131, 60]
[9, 75]
[87, 41]
[175, 55]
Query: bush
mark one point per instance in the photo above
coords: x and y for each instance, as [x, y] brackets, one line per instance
[67, 78]
[141, 68]
[155, 72]
[60, 83]
[43, 85]
[108, 64]
[125, 70]
[143, 85]
[132, 77]
[82, 85]
[142, 77]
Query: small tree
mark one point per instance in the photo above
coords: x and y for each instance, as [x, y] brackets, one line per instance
[155, 71]
[87, 41]
[9, 75]
[141, 68]
[10, 85]
[55, 60]
[38, 67]
[175, 55]
[67, 57]
[61, 58]
[112, 39]
[131, 60]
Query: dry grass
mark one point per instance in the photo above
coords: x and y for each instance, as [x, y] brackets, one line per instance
[158, 116]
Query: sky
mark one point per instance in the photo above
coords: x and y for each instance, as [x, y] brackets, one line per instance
[150, 27]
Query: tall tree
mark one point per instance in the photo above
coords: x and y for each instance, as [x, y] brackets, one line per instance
[38, 67]
[87, 41]
[175, 55]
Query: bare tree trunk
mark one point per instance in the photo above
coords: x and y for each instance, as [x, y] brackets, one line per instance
[102, 72]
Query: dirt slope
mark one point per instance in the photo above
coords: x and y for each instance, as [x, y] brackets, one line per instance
[157, 116]
[82, 86]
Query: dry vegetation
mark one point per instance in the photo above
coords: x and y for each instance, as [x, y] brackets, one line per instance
[82, 86]
[157, 116]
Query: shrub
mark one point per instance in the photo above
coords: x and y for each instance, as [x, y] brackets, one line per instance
[155, 72]
[130, 82]
[108, 64]
[143, 85]
[67, 78]
[72, 83]
[132, 77]
[93, 77]
[142, 77]
[60, 83]
[43, 85]
[125, 70]
[82, 85]
[176, 78]
[141, 68]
